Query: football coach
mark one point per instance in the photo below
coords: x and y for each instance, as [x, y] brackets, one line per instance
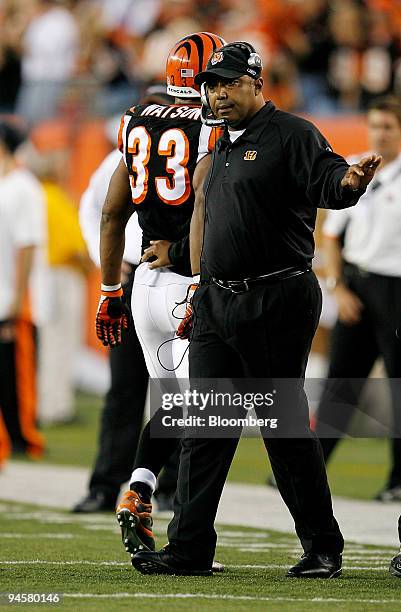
[258, 311]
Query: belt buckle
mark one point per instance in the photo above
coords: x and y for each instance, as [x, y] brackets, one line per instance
[237, 291]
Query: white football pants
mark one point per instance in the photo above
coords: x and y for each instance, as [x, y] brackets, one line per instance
[154, 297]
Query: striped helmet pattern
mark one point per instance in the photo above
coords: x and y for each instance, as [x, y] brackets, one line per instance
[188, 57]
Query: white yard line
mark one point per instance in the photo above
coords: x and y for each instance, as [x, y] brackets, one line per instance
[223, 597]
[61, 487]
[234, 566]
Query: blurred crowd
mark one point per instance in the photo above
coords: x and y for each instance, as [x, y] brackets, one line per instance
[79, 57]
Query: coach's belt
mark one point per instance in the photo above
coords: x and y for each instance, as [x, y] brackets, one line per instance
[243, 285]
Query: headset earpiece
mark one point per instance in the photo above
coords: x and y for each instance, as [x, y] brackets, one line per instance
[254, 60]
[204, 96]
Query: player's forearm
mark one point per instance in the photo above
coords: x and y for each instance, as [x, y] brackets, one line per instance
[116, 211]
[112, 243]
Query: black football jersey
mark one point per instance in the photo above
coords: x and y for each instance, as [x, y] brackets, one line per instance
[161, 145]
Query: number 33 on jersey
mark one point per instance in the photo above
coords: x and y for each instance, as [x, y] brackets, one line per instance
[161, 146]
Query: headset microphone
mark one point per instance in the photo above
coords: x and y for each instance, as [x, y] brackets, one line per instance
[207, 116]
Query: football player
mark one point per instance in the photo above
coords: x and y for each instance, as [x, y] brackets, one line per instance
[165, 160]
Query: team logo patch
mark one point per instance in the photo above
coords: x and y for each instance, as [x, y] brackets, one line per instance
[250, 155]
[217, 57]
[187, 73]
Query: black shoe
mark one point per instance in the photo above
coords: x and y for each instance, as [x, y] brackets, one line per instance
[271, 481]
[163, 562]
[96, 501]
[164, 502]
[316, 565]
[395, 566]
[389, 494]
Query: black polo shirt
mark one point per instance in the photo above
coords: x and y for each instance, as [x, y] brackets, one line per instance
[262, 193]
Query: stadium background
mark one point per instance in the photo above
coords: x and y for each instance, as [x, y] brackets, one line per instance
[324, 59]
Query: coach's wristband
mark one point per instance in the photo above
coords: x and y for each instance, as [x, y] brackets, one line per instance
[110, 287]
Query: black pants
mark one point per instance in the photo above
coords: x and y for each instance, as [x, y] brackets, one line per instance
[18, 389]
[266, 332]
[354, 350]
[121, 421]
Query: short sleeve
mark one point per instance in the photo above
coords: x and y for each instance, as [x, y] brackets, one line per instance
[207, 141]
[29, 215]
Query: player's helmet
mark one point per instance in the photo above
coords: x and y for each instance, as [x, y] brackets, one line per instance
[188, 57]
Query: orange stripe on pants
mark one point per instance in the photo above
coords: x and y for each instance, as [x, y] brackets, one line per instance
[26, 388]
[5, 443]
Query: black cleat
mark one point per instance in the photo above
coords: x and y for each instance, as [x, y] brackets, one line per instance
[395, 566]
[316, 565]
[95, 501]
[389, 494]
[163, 562]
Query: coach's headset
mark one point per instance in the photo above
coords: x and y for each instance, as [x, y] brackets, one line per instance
[254, 61]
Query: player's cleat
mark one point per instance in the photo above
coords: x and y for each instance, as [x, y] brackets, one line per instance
[135, 520]
[316, 565]
[163, 562]
[395, 566]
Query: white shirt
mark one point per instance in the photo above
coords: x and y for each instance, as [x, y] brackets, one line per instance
[373, 226]
[234, 134]
[50, 46]
[22, 224]
[90, 213]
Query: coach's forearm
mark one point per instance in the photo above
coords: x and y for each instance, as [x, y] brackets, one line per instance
[196, 236]
[198, 215]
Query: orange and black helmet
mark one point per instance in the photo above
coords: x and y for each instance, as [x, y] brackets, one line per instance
[188, 57]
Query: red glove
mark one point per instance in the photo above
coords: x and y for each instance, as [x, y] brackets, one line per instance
[185, 327]
[111, 317]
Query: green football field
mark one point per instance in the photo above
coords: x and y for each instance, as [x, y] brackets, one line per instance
[53, 551]
[82, 558]
[358, 469]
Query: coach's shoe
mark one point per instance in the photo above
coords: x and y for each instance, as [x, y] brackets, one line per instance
[163, 562]
[395, 566]
[135, 520]
[316, 565]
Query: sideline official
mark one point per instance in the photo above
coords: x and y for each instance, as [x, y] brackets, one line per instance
[257, 315]
[364, 277]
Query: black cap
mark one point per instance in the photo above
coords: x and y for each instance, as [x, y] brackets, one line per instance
[230, 62]
[10, 136]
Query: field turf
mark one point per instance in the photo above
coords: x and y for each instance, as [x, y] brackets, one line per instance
[358, 468]
[47, 551]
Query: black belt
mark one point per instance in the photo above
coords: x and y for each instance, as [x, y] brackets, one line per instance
[244, 285]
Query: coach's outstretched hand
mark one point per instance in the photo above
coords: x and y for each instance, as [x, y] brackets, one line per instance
[185, 327]
[112, 316]
[358, 176]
